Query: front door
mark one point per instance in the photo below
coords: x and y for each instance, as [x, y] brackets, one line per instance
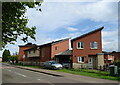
[90, 62]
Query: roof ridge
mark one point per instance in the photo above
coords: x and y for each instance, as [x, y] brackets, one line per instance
[87, 33]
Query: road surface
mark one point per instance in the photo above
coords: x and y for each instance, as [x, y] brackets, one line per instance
[12, 74]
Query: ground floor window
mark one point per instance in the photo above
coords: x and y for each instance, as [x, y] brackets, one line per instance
[81, 59]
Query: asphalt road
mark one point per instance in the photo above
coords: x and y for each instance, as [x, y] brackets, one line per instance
[11, 74]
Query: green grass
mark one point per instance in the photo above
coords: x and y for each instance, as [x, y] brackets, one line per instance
[28, 66]
[84, 72]
[90, 73]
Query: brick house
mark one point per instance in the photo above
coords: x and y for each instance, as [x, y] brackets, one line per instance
[108, 58]
[116, 55]
[87, 50]
[22, 48]
[46, 52]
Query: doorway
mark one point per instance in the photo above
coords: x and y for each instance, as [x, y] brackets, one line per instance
[90, 62]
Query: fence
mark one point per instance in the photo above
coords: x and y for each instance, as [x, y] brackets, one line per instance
[100, 68]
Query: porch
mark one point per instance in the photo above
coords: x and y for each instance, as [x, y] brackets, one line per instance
[95, 61]
[65, 58]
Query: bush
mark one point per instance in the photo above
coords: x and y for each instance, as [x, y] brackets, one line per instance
[13, 59]
[117, 63]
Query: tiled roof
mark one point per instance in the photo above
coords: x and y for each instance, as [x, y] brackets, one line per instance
[67, 52]
[50, 43]
[28, 44]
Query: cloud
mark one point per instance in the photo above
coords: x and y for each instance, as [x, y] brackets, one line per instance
[110, 40]
[72, 35]
[71, 29]
[109, 34]
[58, 15]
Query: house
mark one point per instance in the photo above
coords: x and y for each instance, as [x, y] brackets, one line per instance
[65, 58]
[46, 52]
[116, 55]
[87, 50]
[108, 58]
[22, 48]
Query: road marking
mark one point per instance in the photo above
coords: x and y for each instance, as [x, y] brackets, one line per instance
[6, 67]
[9, 70]
[17, 73]
[20, 74]
[50, 83]
[38, 79]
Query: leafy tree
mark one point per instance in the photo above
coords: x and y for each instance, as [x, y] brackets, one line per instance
[5, 55]
[14, 21]
[13, 58]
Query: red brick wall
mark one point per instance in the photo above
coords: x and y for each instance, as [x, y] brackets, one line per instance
[116, 55]
[21, 52]
[61, 46]
[86, 51]
[47, 53]
[106, 57]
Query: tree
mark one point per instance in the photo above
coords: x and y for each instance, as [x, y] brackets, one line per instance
[13, 58]
[5, 55]
[117, 62]
[14, 21]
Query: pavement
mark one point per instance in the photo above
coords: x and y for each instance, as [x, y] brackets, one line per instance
[19, 74]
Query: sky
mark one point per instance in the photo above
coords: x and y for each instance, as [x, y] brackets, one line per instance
[60, 20]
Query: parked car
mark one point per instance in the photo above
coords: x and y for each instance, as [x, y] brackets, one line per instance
[52, 65]
[66, 64]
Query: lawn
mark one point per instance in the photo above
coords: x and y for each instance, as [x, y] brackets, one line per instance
[84, 72]
[28, 66]
[90, 73]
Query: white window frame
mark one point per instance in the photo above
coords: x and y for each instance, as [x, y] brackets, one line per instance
[80, 45]
[80, 59]
[91, 45]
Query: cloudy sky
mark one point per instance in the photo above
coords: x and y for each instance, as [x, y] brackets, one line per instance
[71, 19]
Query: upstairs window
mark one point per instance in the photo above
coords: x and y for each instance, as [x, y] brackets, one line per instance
[81, 59]
[93, 45]
[80, 45]
[56, 48]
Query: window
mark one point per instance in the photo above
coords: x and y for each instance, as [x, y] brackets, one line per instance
[80, 45]
[93, 45]
[29, 52]
[56, 48]
[81, 59]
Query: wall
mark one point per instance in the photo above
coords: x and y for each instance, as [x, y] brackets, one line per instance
[33, 54]
[116, 55]
[87, 51]
[100, 60]
[79, 65]
[46, 54]
[107, 57]
[21, 52]
[61, 46]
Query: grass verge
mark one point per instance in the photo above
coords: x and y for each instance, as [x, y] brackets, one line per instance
[83, 72]
[28, 65]
[90, 73]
